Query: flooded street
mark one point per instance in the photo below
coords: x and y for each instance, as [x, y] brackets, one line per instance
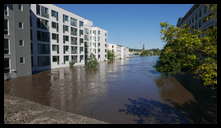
[125, 91]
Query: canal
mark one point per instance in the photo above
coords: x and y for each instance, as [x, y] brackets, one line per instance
[124, 91]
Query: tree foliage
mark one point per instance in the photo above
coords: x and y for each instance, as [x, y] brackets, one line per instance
[92, 62]
[150, 52]
[190, 50]
[110, 55]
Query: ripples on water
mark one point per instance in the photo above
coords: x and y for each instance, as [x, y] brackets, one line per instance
[125, 91]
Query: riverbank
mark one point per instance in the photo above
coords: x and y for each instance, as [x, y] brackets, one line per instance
[21, 111]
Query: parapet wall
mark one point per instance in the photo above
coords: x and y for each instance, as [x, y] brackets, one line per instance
[21, 111]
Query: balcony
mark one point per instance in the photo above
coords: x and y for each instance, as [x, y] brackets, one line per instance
[46, 15]
[74, 52]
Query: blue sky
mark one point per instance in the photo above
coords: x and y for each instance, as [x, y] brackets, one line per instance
[131, 24]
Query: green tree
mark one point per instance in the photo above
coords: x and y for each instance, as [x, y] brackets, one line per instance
[190, 51]
[110, 55]
[92, 62]
[150, 52]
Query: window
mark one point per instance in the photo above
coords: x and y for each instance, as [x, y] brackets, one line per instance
[65, 38]
[31, 48]
[86, 37]
[200, 21]
[74, 22]
[41, 23]
[31, 34]
[94, 32]
[21, 25]
[99, 50]
[65, 49]
[6, 46]
[205, 9]
[81, 40]
[44, 12]
[55, 37]
[81, 23]
[74, 59]
[38, 9]
[73, 50]
[30, 21]
[6, 23]
[21, 60]
[65, 18]
[74, 40]
[81, 49]
[99, 32]
[43, 49]
[86, 31]
[196, 17]
[55, 48]
[73, 31]
[54, 14]
[21, 42]
[99, 44]
[6, 10]
[43, 36]
[66, 58]
[81, 58]
[200, 14]
[43, 60]
[55, 59]
[65, 28]
[20, 7]
[81, 32]
[54, 25]
[6, 65]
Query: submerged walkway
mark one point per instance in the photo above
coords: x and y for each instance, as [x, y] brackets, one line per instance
[19, 111]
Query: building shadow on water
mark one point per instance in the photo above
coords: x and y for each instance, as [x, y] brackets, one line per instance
[151, 111]
[205, 109]
[187, 94]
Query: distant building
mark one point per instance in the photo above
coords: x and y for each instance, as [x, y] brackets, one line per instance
[98, 43]
[17, 42]
[120, 52]
[195, 18]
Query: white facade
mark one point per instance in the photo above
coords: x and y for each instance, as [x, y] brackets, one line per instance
[98, 43]
[60, 37]
[120, 52]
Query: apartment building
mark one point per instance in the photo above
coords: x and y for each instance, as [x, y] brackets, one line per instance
[43, 36]
[195, 18]
[98, 43]
[120, 52]
[58, 37]
[17, 49]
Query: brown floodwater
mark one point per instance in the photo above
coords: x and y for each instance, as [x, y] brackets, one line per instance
[124, 91]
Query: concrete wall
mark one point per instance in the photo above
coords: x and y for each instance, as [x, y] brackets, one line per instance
[15, 34]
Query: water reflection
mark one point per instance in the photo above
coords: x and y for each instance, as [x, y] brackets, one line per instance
[173, 91]
[101, 93]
